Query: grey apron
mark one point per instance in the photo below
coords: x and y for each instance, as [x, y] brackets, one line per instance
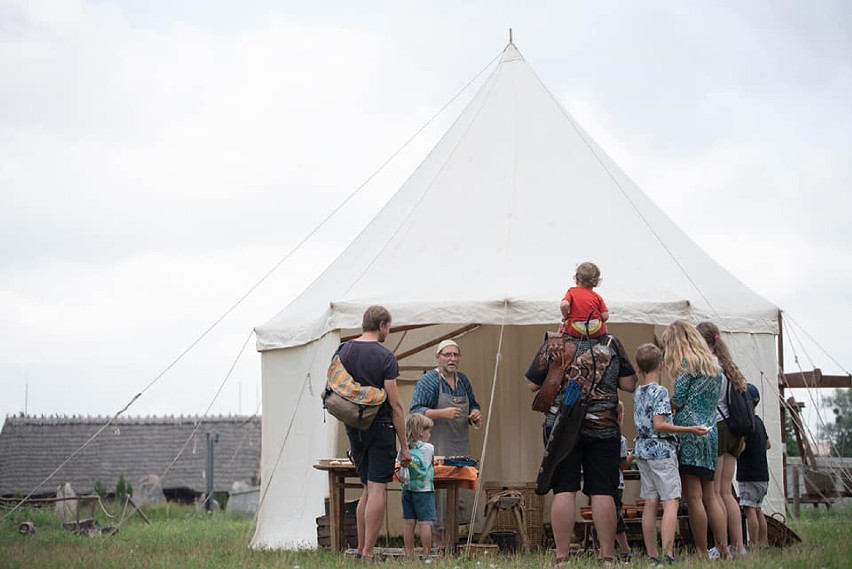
[451, 439]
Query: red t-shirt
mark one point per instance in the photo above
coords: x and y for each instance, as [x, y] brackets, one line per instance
[583, 301]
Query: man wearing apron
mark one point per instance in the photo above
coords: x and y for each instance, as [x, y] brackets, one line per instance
[445, 395]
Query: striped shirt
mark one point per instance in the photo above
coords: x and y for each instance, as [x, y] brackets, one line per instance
[430, 385]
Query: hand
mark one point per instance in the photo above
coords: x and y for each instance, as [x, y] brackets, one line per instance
[700, 430]
[452, 413]
[475, 416]
[404, 457]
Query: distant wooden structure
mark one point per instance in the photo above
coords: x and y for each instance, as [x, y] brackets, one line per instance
[820, 487]
[820, 484]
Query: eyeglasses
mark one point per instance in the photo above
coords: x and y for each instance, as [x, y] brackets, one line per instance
[450, 355]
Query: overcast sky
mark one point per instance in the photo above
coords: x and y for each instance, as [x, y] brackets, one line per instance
[158, 158]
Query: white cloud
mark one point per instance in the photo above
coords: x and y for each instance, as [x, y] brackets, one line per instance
[156, 160]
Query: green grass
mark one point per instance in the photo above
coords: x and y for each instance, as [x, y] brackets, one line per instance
[180, 537]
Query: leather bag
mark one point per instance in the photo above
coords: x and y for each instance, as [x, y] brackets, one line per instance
[562, 353]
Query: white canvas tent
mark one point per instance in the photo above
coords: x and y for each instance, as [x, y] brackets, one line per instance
[480, 243]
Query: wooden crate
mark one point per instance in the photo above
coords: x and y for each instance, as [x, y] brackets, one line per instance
[350, 531]
[533, 510]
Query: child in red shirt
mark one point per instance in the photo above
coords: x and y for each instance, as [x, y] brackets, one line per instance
[581, 305]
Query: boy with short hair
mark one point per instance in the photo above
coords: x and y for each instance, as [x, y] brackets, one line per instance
[655, 452]
[753, 476]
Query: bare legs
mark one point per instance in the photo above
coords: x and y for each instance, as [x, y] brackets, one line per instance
[716, 518]
[408, 536]
[562, 514]
[425, 536]
[621, 540]
[757, 530]
[603, 514]
[649, 528]
[704, 508]
[668, 527]
[359, 520]
[697, 514]
[722, 487]
[370, 514]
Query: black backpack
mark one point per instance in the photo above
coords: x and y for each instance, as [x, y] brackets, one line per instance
[740, 418]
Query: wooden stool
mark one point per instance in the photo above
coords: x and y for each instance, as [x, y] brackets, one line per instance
[506, 500]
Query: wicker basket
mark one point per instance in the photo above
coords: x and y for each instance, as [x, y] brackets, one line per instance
[778, 532]
[478, 550]
[533, 510]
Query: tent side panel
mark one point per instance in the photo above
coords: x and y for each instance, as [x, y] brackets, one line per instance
[756, 355]
[295, 435]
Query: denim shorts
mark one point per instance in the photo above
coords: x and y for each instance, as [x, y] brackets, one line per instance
[753, 493]
[418, 506]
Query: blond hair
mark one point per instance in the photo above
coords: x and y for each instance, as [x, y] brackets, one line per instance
[686, 351]
[415, 426]
[710, 333]
[588, 275]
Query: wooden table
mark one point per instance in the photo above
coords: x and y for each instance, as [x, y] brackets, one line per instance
[446, 477]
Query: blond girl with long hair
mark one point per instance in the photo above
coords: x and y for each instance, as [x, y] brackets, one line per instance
[730, 445]
[698, 379]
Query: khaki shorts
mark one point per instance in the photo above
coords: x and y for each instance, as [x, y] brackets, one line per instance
[660, 479]
[729, 443]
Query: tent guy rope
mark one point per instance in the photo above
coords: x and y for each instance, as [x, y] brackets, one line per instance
[498, 357]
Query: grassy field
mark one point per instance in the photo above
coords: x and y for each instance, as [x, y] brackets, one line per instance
[179, 537]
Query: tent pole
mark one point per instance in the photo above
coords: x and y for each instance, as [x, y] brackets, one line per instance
[436, 341]
[782, 409]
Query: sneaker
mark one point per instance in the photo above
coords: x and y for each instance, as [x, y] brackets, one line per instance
[713, 554]
[626, 557]
[670, 560]
[427, 559]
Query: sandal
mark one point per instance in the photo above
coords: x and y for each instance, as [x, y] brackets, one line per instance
[607, 561]
[560, 562]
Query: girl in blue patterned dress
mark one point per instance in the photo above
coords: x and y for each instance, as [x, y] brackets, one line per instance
[698, 380]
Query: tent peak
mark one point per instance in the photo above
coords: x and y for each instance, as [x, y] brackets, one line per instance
[511, 53]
